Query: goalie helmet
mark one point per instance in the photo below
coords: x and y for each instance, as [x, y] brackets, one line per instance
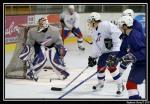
[94, 16]
[128, 12]
[43, 24]
[125, 20]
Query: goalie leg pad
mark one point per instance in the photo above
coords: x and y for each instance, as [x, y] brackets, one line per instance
[59, 69]
[25, 52]
[39, 60]
[60, 53]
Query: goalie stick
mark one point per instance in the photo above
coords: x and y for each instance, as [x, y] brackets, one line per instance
[60, 89]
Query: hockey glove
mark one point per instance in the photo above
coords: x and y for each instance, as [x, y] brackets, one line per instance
[91, 61]
[127, 59]
[112, 60]
[123, 35]
[73, 29]
[108, 43]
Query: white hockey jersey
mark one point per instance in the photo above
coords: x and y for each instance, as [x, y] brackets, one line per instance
[105, 30]
[70, 20]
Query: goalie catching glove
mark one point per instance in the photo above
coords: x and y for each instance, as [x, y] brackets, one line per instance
[91, 61]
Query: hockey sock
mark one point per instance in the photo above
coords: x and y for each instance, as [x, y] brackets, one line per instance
[122, 68]
[115, 74]
[132, 90]
[80, 42]
[101, 73]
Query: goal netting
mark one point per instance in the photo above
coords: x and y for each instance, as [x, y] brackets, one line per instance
[16, 67]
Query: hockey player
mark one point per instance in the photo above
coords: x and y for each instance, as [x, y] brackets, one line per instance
[70, 24]
[106, 45]
[133, 50]
[43, 37]
[137, 26]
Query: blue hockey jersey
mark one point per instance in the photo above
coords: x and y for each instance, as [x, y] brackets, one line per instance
[136, 43]
[137, 26]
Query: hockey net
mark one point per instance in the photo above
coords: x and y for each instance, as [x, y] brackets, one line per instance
[17, 68]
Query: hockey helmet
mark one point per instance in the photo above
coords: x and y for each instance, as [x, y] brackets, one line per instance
[128, 12]
[125, 20]
[71, 7]
[94, 16]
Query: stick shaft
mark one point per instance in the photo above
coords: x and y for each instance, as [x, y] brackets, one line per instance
[76, 77]
[77, 86]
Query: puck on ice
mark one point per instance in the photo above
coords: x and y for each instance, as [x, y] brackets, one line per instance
[94, 87]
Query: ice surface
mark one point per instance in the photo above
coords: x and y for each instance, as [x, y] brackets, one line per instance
[76, 61]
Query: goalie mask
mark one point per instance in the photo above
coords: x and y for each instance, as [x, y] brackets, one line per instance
[93, 19]
[42, 24]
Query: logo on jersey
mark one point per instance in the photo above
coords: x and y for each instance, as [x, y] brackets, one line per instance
[98, 37]
[71, 21]
[46, 41]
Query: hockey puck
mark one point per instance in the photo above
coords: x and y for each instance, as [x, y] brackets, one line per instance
[56, 89]
[94, 87]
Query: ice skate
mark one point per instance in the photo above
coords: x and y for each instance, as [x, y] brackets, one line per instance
[81, 48]
[120, 89]
[99, 86]
[31, 75]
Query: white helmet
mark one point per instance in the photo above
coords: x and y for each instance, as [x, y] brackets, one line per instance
[71, 7]
[94, 16]
[128, 12]
[43, 23]
[128, 20]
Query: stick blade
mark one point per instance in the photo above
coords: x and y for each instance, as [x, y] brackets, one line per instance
[56, 89]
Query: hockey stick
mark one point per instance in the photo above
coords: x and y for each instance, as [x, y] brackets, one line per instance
[83, 38]
[60, 89]
[77, 85]
[78, 36]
